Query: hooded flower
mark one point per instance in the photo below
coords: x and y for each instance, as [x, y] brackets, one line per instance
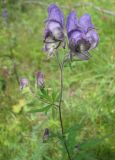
[81, 35]
[54, 35]
[40, 79]
[23, 83]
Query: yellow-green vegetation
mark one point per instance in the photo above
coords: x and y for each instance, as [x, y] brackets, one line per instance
[88, 106]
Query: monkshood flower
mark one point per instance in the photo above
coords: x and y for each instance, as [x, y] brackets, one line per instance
[82, 35]
[54, 29]
[40, 79]
[23, 83]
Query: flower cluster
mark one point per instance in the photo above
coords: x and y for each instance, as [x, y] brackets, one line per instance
[82, 36]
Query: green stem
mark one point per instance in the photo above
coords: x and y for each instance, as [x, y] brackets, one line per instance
[61, 65]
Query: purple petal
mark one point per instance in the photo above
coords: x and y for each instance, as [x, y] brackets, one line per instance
[49, 48]
[74, 38]
[85, 22]
[76, 35]
[93, 38]
[55, 14]
[79, 45]
[55, 21]
[83, 56]
[72, 22]
[54, 29]
[50, 27]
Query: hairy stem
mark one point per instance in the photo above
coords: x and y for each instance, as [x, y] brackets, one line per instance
[61, 65]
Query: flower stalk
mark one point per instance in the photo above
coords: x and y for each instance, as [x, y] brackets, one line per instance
[61, 66]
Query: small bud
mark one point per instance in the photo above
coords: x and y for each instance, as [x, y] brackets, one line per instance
[46, 134]
[40, 79]
[23, 83]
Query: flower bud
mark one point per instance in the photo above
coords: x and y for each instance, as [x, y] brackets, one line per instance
[40, 79]
[46, 134]
[23, 83]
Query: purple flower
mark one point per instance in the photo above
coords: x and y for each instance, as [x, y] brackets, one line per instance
[81, 35]
[40, 79]
[23, 83]
[54, 30]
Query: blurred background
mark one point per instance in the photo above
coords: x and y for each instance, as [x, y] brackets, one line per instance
[89, 87]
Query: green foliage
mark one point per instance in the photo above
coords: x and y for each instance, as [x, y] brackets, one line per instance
[89, 89]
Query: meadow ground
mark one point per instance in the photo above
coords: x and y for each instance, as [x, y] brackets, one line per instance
[89, 87]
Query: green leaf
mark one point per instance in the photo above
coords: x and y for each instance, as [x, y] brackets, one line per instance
[90, 143]
[43, 109]
[45, 95]
[55, 96]
[2, 84]
[72, 133]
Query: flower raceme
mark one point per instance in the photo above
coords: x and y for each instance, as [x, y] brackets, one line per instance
[54, 31]
[81, 33]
